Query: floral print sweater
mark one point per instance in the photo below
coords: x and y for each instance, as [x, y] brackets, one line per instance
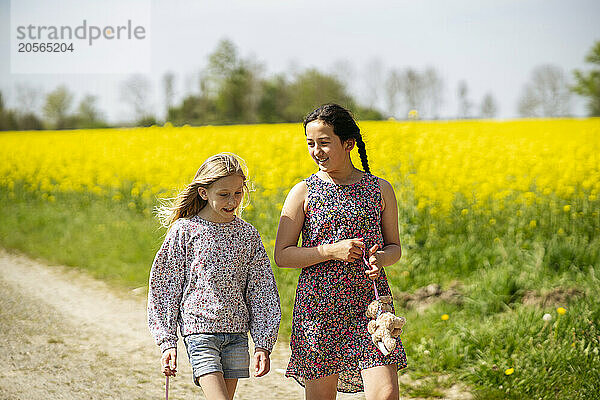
[212, 277]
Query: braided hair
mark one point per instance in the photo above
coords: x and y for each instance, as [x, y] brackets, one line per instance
[344, 126]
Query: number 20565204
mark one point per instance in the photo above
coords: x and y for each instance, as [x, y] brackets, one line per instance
[45, 47]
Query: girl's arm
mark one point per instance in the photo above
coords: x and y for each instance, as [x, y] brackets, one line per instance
[166, 288]
[262, 299]
[391, 251]
[289, 255]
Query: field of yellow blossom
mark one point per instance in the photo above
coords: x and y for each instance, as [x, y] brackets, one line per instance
[431, 164]
[500, 220]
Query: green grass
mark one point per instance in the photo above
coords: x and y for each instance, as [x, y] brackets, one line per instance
[493, 266]
[107, 239]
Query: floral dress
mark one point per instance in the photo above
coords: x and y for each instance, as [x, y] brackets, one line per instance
[329, 328]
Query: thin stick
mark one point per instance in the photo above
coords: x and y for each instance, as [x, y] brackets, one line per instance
[369, 266]
[376, 294]
[167, 388]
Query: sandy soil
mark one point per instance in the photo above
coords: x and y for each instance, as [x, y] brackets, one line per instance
[64, 335]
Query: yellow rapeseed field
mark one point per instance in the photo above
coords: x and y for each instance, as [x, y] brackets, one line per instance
[429, 163]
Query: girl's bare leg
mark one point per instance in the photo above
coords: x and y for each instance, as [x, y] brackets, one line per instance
[321, 389]
[231, 385]
[381, 383]
[215, 387]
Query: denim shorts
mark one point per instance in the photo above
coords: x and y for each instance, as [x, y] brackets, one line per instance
[218, 352]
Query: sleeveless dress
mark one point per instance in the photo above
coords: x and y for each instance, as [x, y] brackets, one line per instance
[329, 326]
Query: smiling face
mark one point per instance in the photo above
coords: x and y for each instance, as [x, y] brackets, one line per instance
[223, 197]
[326, 148]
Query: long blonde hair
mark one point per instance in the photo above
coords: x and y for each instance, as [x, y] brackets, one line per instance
[189, 203]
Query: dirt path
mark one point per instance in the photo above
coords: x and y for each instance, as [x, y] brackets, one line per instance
[64, 335]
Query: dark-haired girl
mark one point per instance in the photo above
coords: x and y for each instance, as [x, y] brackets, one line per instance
[341, 211]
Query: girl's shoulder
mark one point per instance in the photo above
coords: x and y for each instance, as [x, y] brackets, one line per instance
[180, 224]
[186, 224]
[373, 179]
[177, 232]
[308, 179]
[301, 186]
[246, 226]
[249, 233]
[384, 185]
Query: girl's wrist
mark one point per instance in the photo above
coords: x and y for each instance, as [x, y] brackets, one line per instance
[324, 251]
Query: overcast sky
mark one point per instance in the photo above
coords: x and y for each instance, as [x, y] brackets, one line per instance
[492, 45]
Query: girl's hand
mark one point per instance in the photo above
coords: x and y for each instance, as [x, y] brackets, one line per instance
[374, 263]
[348, 250]
[262, 362]
[168, 361]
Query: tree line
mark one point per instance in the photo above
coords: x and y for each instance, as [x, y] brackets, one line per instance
[235, 90]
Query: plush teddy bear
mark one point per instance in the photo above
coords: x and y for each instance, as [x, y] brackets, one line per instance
[384, 326]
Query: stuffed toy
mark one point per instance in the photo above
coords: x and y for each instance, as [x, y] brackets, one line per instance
[384, 326]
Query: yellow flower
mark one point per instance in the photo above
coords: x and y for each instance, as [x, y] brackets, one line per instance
[509, 371]
[561, 231]
[532, 223]
[464, 211]
[561, 310]
[493, 221]
[567, 208]
[445, 317]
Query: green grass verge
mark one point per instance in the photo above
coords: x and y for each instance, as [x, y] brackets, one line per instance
[105, 238]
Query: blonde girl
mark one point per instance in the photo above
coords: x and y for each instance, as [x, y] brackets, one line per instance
[212, 278]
